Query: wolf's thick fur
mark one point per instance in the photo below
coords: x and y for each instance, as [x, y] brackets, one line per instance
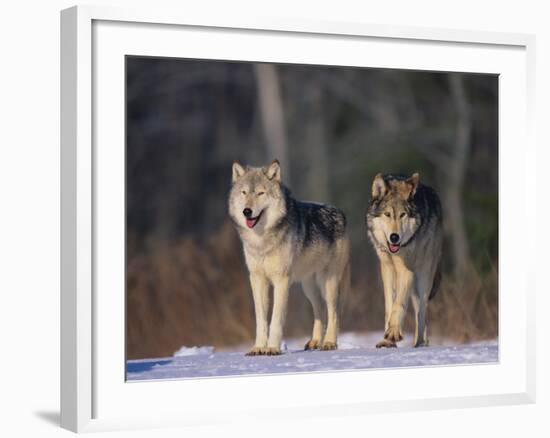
[404, 223]
[287, 241]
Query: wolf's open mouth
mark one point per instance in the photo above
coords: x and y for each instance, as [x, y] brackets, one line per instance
[252, 221]
[393, 247]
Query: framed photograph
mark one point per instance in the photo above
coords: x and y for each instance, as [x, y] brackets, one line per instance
[265, 206]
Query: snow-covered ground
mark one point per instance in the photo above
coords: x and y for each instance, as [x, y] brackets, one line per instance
[356, 351]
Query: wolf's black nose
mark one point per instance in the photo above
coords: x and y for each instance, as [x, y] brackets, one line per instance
[247, 212]
[394, 238]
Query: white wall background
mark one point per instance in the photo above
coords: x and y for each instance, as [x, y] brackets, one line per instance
[29, 215]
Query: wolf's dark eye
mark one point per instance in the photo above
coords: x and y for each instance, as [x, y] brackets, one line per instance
[403, 214]
[260, 193]
[387, 214]
[244, 192]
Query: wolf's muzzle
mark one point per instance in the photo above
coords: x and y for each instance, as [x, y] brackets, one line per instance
[394, 243]
[251, 221]
[394, 238]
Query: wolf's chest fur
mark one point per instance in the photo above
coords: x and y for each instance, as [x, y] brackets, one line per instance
[276, 256]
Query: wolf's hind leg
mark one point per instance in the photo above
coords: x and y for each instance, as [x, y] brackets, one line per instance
[420, 297]
[260, 293]
[420, 332]
[330, 294]
[314, 297]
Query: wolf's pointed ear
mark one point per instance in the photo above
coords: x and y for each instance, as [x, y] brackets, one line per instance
[379, 187]
[413, 183]
[273, 171]
[238, 171]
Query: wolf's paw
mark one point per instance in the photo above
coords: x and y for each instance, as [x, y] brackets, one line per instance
[272, 351]
[386, 344]
[329, 346]
[312, 344]
[393, 334]
[424, 343]
[256, 351]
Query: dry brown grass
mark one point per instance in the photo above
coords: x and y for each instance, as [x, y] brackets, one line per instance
[188, 293]
[197, 293]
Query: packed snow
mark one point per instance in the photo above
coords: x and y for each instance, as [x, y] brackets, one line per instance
[355, 351]
[193, 351]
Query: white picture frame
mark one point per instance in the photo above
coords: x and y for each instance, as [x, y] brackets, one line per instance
[93, 396]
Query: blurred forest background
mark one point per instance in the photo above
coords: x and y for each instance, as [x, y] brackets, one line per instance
[332, 129]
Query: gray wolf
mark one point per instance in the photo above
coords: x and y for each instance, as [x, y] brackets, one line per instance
[287, 241]
[404, 223]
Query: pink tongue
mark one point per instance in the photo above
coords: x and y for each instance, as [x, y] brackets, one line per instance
[250, 222]
[394, 248]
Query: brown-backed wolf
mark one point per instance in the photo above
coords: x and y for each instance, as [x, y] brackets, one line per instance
[404, 223]
[287, 241]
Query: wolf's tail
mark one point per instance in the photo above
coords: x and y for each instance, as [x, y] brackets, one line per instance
[436, 283]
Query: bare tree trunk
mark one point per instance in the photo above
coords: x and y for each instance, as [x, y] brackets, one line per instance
[272, 114]
[317, 178]
[454, 217]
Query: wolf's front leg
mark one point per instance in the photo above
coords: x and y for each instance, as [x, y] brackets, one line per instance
[388, 279]
[404, 284]
[280, 303]
[260, 293]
